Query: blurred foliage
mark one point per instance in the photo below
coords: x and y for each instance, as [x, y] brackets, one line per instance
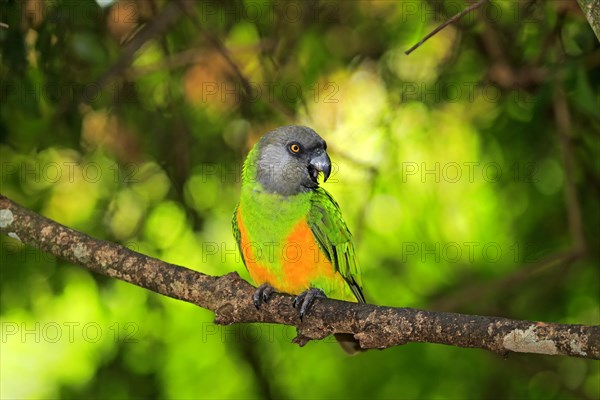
[451, 168]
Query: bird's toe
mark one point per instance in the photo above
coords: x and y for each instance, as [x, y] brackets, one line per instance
[262, 294]
[305, 300]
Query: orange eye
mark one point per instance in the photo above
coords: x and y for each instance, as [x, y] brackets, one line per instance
[295, 148]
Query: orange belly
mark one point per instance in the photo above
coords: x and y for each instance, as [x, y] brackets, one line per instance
[291, 267]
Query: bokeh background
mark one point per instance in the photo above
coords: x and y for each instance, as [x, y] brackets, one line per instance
[467, 171]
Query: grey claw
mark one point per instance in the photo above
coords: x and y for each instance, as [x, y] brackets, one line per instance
[306, 299]
[262, 294]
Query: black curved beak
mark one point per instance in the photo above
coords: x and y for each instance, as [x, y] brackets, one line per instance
[319, 163]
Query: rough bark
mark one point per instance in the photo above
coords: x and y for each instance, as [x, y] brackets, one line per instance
[229, 297]
[591, 10]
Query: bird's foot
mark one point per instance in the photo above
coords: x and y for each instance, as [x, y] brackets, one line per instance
[306, 299]
[262, 294]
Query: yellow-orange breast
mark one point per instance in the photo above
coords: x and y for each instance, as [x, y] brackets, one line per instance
[292, 266]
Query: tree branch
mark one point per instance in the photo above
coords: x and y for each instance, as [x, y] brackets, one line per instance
[229, 297]
[591, 10]
[445, 24]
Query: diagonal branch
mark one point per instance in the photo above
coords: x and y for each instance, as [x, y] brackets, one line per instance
[230, 298]
[591, 10]
[445, 24]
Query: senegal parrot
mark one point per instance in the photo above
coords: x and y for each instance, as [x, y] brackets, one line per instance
[290, 232]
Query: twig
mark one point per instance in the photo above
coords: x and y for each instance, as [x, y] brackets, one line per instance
[230, 298]
[445, 24]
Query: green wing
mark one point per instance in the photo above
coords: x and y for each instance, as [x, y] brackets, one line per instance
[334, 238]
[236, 233]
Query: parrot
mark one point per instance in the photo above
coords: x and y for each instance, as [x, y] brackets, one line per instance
[289, 230]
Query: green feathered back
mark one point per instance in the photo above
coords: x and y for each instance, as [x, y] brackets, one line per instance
[334, 238]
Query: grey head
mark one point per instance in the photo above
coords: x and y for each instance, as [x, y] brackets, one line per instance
[289, 159]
